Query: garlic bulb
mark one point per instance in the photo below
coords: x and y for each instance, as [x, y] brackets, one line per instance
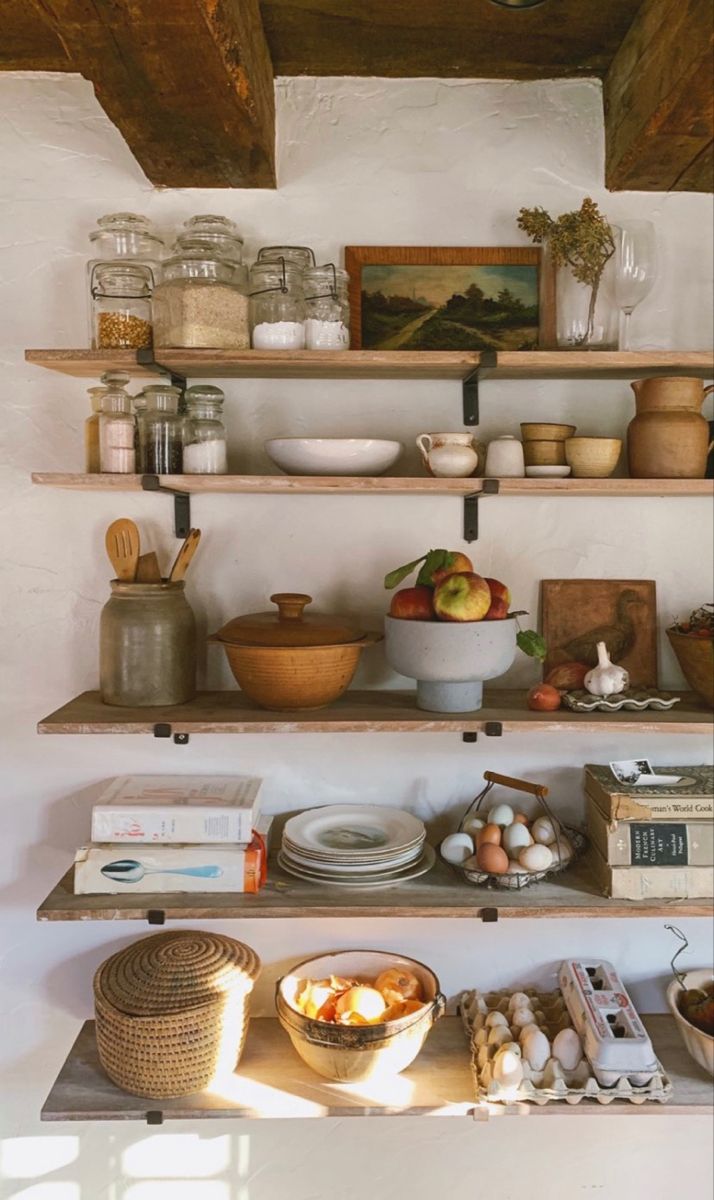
[606, 679]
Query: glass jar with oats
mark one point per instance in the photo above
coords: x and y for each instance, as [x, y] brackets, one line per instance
[202, 301]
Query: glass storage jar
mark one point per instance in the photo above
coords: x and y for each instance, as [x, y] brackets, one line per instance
[204, 438]
[91, 431]
[161, 431]
[327, 308]
[121, 306]
[202, 300]
[298, 256]
[117, 427]
[126, 237]
[277, 309]
[147, 645]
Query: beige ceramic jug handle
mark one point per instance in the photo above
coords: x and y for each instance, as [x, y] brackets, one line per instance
[421, 442]
[290, 605]
[709, 389]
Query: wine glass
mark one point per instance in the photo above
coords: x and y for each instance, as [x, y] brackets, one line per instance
[635, 269]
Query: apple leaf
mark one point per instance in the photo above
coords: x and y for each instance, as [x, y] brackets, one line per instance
[434, 561]
[395, 577]
[532, 644]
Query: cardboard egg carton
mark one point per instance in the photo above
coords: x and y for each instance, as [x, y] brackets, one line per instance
[554, 1082]
[615, 1040]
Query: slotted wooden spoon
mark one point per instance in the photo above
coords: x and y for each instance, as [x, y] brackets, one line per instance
[184, 556]
[122, 543]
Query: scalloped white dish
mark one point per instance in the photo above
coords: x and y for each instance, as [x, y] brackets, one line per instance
[582, 701]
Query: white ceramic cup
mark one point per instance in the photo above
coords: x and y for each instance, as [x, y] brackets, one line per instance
[504, 459]
[448, 455]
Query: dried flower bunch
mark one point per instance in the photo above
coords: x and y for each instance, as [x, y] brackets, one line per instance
[700, 623]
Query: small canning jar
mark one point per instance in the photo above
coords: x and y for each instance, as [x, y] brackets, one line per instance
[327, 308]
[117, 427]
[277, 309]
[161, 431]
[297, 256]
[204, 438]
[121, 306]
[123, 237]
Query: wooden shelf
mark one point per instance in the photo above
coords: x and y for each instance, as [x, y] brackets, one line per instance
[365, 712]
[440, 893]
[272, 1081]
[377, 364]
[378, 485]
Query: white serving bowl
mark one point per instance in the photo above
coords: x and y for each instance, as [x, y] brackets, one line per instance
[333, 456]
[700, 1045]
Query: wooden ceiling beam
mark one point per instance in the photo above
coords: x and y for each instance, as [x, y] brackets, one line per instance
[659, 105]
[189, 83]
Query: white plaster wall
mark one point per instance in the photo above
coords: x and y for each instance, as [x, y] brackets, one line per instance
[362, 161]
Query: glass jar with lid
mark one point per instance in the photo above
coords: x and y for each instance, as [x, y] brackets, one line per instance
[298, 256]
[204, 437]
[125, 237]
[161, 431]
[202, 300]
[327, 308]
[91, 431]
[117, 426]
[121, 306]
[277, 309]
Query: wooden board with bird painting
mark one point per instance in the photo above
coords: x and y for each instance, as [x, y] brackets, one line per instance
[576, 614]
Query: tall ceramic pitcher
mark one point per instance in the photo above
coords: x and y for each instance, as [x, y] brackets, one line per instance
[668, 438]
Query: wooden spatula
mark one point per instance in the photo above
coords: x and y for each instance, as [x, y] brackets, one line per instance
[184, 556]
[148, 569]
[122, 543]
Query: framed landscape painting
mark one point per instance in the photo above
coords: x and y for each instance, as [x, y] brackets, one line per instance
[450, 298]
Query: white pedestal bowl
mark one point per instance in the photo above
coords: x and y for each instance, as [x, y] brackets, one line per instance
[450, 660]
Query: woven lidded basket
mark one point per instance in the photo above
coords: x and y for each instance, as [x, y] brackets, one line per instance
[172, 1011]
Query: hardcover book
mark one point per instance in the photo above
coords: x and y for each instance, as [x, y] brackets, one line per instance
[691, 798]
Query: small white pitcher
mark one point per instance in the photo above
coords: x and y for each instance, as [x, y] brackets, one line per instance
[449, 455]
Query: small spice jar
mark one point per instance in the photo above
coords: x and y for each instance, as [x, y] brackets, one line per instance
[327, 308]
[117, 427]
[277, 309]
[121, 306]
[124, 237]
[204, 436]
[202, 300]
[91, 431]
[147, 645]
[160, 431]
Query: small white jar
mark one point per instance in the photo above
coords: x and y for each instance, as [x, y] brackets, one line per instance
[504, 459]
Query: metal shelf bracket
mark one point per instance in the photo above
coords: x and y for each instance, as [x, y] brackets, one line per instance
[162, 730]
[489, 915]
[469, 389]
[145, 358]
[182, 503]
[156, 916]
[488, 488]
[153, 1117]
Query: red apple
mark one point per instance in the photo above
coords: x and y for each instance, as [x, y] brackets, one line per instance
[413, 604]
[463, 596]
[567, 677]
[543, 698]
[500, 600]
[458, 562]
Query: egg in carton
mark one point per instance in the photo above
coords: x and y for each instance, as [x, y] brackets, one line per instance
[524, 1048]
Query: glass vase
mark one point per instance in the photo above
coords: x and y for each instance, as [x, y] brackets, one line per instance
[587, 318]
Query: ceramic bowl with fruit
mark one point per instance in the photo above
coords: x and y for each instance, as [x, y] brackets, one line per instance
[693, 643]
[501, 844]
[691, 1002]
[449, 632]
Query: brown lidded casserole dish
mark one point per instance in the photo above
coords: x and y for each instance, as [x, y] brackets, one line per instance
[290, 659]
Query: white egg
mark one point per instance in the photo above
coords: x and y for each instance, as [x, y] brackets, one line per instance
[536, 858]
[501, 814]
[473, 825]
[496, 1018]
[544, 830]
[568, 1049]
[515, 837]
[527, 1030]
[521, 1017]
[564, 845]
[536, 1049]
[498, 1034]
[456, 848]
[513, 1047]
[518, 1000]
[514, 868]
[508, 1069]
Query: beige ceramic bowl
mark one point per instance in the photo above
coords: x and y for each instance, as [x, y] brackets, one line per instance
[700, 1045]
[544, 453]
[592, 457]
[534, 431]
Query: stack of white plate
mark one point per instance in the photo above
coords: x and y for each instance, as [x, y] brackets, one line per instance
[355, 845]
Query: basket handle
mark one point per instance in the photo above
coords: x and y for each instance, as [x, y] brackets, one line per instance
[518, 785]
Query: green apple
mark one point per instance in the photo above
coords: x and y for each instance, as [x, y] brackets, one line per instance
[463, 596]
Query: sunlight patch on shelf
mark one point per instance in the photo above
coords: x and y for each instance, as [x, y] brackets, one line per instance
[262, 1100]
[28, 1157]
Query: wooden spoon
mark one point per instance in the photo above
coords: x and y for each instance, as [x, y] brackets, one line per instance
[122, 544]
[148, 569]
[184, 556]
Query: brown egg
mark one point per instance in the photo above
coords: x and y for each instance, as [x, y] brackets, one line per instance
[492, 859]
[520, 819]
[490, 834]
